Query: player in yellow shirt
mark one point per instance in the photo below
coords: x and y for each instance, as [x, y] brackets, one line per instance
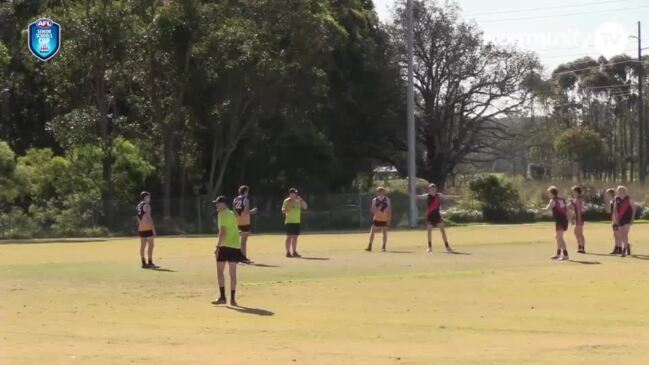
[146, 229]
[241, 206]
[382, 214]
[228, 250]
[292, 210]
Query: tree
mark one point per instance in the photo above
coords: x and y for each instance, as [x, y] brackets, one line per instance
[464, 85]
[584, 147]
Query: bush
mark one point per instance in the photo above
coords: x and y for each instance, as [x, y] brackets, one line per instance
[17, 224]
[498, 199]
[460, 215]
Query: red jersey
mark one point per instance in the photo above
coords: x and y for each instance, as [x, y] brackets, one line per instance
[624, 211]
[434, 204]
[560, 209]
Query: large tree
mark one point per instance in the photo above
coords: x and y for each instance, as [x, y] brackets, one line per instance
[464, 86]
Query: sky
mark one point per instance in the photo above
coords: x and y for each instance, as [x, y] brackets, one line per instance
[557, 30]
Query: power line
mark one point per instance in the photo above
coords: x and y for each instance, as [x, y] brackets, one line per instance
[593, 67]
[548, 8]
[560, 15]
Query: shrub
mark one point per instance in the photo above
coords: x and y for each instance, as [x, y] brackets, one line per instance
[460, 215]
[17, 224]
[498, 198]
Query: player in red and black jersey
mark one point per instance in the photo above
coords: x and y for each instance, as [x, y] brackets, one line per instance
[434, 216]
[610, 198]
[577, 209]
[560, 215]
[624, 214]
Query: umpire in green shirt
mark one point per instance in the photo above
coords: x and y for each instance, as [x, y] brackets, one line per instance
[292, 209]
[228, 249]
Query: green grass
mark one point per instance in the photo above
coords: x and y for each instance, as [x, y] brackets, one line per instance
[505, 303]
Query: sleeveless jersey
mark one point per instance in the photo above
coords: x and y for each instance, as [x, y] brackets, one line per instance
[241, 211]
[624, 213]
[434, 204]
[560, 210]
[382, 211]
[145, 225]
[578, 207]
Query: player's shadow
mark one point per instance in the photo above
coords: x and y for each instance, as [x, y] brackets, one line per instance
[391, 251]
[640, 257]
[255, 311]
[585, 262]
[316, 258]
[263, 265]
[162, 269]
[458, 253]
[600, 254]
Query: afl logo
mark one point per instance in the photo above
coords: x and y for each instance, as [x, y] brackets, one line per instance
[44, 40]
[44, 23]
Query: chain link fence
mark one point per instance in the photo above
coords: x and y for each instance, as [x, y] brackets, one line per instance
[197, 215]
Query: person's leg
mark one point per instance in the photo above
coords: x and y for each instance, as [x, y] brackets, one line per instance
[558, 239]
[429, 227]
[369, 245]
[616, 239]
[562, 244]
[579, 235]
[150, 252]
[385, 237]
[143, 243]
[624, 238]
[289, 240]
[244, 243]
[294, 246]
[233, 282]
[220, 274]
[442, 230]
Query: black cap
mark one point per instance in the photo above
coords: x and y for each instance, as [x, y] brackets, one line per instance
[220, 199]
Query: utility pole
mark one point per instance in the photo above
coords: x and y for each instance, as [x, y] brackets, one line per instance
[641, 123]
[412, 173]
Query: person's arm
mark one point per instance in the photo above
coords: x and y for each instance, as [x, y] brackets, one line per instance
[285, 207]
[632, 210]
[550, 205]
[303, 203]
[449, 197]
[389, 209]
[373, 206]
[147, 209]
[607, 207]
[422, 197]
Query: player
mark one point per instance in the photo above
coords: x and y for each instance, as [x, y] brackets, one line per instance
[292, 209]
[382, 213]
[434, 216]
[146, 230]
[577, 217]
[610, 198]
[560, 214]
[243, 212]
[228, 250]
[624, 217]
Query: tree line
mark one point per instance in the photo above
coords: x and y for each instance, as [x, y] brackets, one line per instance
[194, 97]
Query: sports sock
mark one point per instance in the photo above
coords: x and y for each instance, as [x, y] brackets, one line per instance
[446, 244]
[222, 291]
[232, 292]
[150, 261]
[565, 253]
[143, 261]
[430, 244]
[558, 252]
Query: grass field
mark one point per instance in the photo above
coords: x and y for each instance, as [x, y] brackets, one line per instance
[503, 302]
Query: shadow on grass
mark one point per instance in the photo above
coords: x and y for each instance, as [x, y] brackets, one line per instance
[390, 251]
[640, 257]
[263, 265]
[600, 254]
[45, 241]
[458, 253]
[316, 258]
[162, 269]
[255, 311]
[585, 262]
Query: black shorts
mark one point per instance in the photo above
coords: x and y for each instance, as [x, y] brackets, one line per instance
[229, 254]
[245, 228]
[146, 234]
[561, 225]
[615, 227]
[293, 229]
[379, 224]
[434, 219]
